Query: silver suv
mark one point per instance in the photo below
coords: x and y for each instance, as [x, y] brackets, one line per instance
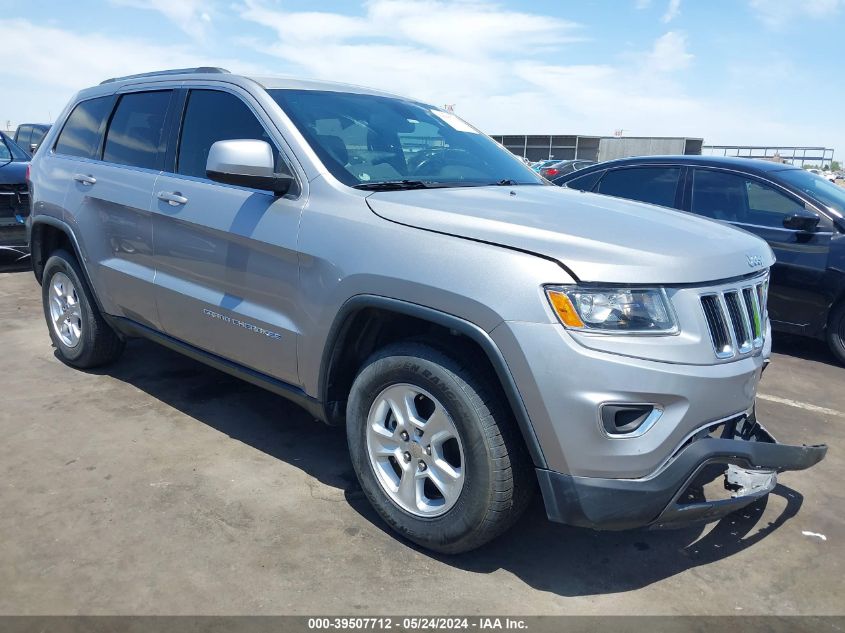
[479, 333]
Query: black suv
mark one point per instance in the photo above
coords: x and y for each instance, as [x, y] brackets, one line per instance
[801, 216]
[30, 135]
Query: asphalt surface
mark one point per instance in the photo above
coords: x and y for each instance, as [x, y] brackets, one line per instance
[160, 486]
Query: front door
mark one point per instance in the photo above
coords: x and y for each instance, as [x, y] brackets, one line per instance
[228, 268]
[796, 297]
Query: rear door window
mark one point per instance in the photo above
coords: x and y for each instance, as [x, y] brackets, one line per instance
[136, 131]
[81, 133]
[654, 185]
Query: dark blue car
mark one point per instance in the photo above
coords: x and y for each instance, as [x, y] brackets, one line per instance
[14, 198]
[801, 216]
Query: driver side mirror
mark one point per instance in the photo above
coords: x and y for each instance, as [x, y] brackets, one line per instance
[805, 221]
[247, 163]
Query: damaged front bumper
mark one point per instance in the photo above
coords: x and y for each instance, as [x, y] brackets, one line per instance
[740, 453]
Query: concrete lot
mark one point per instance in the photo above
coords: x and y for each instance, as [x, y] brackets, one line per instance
[161, 486]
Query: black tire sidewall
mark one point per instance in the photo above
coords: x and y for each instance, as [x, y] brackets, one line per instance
[469, 512]
[836, 332]
[62, 262]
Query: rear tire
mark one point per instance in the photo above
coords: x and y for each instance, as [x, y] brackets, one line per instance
[836, 331]
[81, 336]
[485, 467]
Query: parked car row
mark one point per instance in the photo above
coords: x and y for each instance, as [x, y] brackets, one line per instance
[827, 175]
[800, 214]
[552, 169]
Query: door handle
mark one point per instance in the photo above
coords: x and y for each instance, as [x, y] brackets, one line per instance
[83, 179]
[173, 198]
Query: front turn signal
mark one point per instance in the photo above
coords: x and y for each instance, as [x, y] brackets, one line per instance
[564, 309]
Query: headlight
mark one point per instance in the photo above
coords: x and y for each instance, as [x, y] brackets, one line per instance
[622, 310]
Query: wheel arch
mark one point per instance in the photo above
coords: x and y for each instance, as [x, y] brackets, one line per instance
[48, 234]
[340, 363]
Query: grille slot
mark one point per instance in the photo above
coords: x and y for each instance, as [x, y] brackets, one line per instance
[718, 327]
[753, 310]
[736, 319]
[739, 321]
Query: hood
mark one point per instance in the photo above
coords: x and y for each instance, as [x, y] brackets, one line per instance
[13, 173]
[598, 238]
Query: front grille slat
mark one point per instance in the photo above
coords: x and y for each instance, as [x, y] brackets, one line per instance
[736, 319]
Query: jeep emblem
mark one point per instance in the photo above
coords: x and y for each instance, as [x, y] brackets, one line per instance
[754, 260]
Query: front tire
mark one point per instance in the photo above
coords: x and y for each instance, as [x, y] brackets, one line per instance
[836, 332]
[435, 449]
[81, 336]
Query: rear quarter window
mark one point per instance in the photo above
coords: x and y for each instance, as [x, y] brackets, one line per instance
[585, 182]
[80, 135]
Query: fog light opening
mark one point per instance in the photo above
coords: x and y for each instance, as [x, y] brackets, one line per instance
[626, 420]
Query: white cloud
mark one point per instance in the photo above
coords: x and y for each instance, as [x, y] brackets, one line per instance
[672, 11]
[777, 14]
[39, 84]
[396, 45]
[499, 83]
[669, 53]
[642, 4]
[469, 29]
[192, 16]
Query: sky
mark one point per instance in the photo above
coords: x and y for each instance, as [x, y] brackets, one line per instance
[729, 71]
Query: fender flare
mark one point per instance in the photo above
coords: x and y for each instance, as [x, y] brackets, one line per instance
[65, 228]
[444, 319]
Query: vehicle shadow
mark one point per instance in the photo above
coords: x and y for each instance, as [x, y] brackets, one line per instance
[239, 409]
[570, 561]
[560, 559]
[804, 348]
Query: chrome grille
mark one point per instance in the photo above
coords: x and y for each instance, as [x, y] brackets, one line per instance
[736, 318]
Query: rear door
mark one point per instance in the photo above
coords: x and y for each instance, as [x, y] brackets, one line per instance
[228, 268]
[797, 301]
[109, 200]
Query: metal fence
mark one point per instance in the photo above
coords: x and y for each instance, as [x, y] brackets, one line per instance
[799, 155]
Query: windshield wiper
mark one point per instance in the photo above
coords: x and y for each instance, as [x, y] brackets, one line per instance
[507, 182]
[398, 185]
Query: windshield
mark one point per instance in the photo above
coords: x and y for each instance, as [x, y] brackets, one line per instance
[364, 140]
[819, 188]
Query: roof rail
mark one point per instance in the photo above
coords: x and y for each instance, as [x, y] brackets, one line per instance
[173, 71]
